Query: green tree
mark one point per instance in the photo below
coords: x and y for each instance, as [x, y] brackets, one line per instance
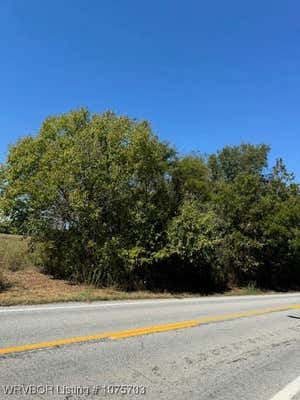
[106, 202]
[191, 178]
[194, 238]
[260, 241]
[228, 163]
[92, 190]
[239, 205]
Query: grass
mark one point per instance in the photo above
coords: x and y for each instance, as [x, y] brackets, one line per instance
[3, 282]
[22, 283]
[14, 255]
[246, 291]
[32, 287]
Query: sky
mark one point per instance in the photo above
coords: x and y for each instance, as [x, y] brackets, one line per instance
[205, 73]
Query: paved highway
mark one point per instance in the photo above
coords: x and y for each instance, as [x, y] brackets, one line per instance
[226, 348]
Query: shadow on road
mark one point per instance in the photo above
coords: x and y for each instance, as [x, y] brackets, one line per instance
[293, 316]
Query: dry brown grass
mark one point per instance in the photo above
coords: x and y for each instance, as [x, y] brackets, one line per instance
[2, 281]
[32, 287]
[22, 283]
[14, 255]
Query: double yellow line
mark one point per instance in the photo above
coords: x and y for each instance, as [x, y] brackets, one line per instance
[143, 331]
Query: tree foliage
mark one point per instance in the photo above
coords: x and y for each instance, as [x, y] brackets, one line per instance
[106, 202]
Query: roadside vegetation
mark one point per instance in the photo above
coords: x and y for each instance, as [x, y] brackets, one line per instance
[14, 256]
[14, 252]
[22, 282]
[106, 204]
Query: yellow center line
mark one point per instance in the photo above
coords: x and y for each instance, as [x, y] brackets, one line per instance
[144, 331]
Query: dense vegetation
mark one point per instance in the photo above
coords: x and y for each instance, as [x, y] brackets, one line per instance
[106, 202]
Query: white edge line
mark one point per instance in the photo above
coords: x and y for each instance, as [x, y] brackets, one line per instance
[87, 306]
[289, 391]
[141, 302]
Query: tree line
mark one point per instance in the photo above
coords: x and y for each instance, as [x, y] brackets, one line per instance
[105, 202]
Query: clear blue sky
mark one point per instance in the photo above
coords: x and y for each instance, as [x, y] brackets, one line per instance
[205, 73]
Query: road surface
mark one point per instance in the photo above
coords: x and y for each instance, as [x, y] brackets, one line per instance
[226, 348]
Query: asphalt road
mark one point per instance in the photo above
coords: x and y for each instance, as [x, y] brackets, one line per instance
[254, 353]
